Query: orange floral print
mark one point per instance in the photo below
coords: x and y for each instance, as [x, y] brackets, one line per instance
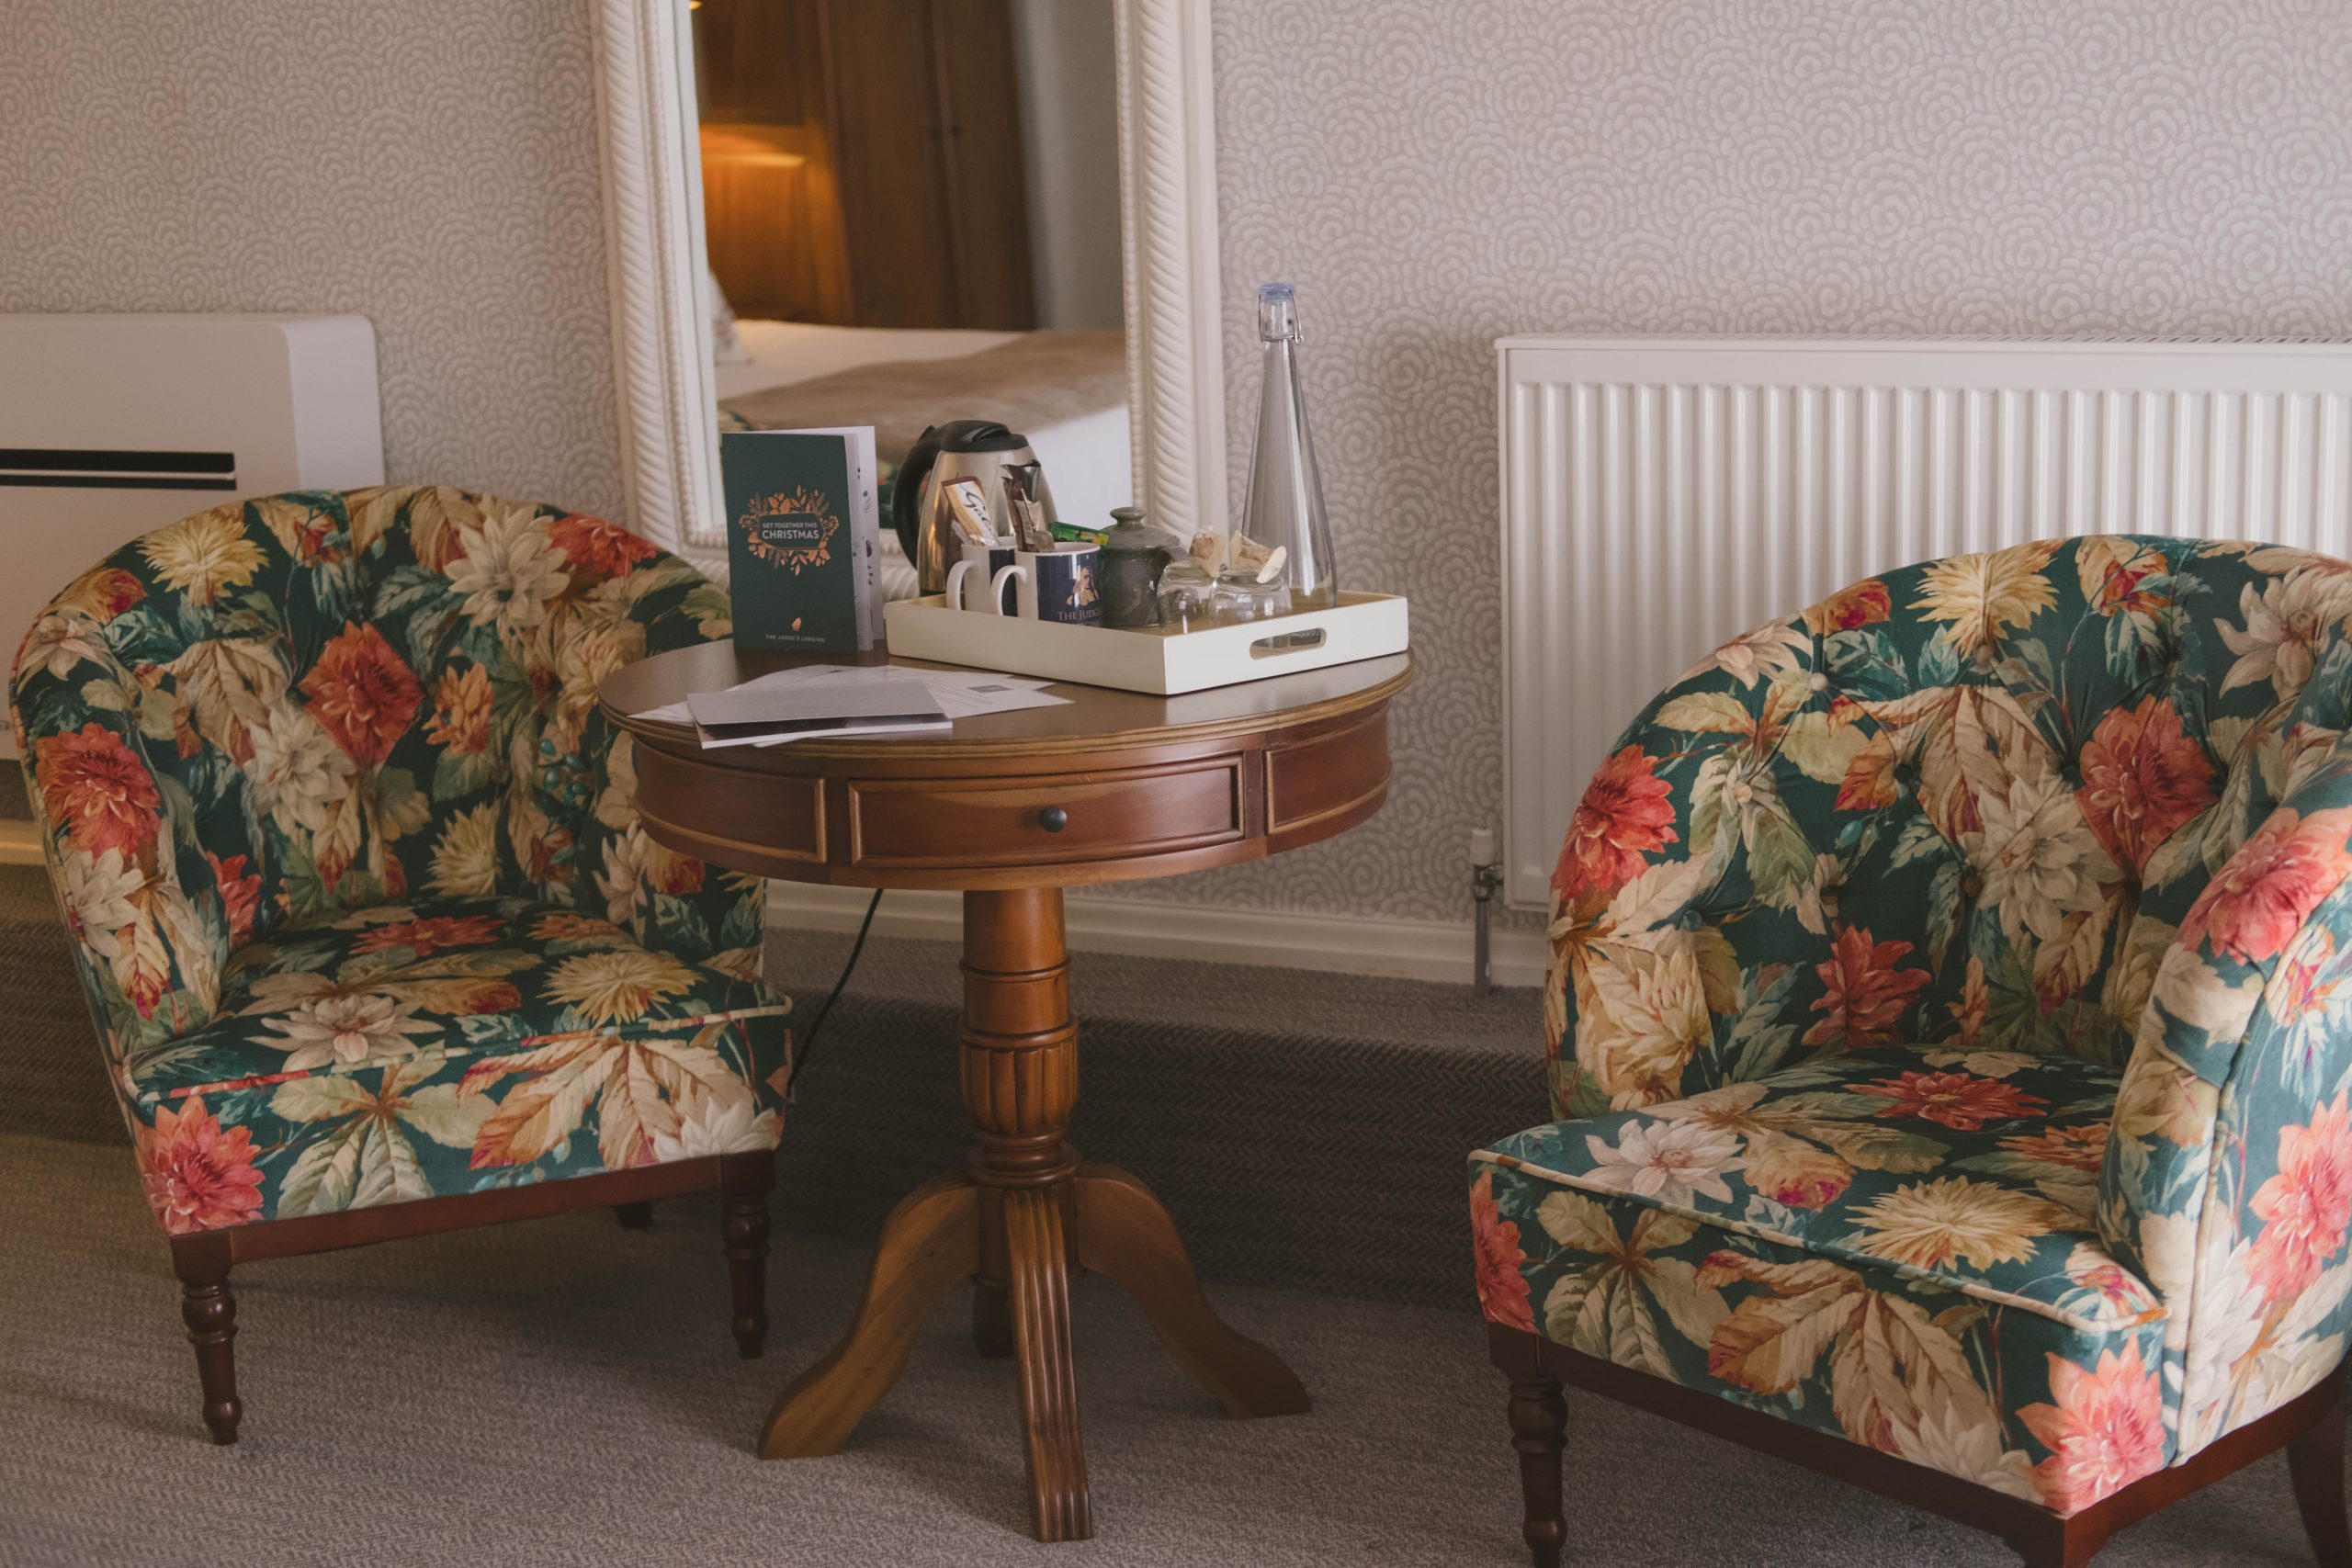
[105, 592]
[460, 720]
[1959, 1100]
[1866, 993]
[1863, 604]
[99, 790]
[1502, 1289]
[2105, 1429]
[361, 694]
[1626, 812]
[240, 894]
[601, 547]
[432, 934]
[2306, 1207]
[2076, 1148]
[2142, 777]
[197, 1175]
[2271, 886]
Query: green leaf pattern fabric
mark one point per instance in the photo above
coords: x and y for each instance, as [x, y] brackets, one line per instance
[352, 862]
[1978, 931]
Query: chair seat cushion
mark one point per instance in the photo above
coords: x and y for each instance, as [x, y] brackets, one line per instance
[1894, 1245]
[408, 1051]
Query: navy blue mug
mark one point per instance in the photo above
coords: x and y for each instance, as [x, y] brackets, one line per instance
[1062, 584]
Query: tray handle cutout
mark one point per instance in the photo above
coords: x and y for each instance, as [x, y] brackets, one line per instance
[1287, 643]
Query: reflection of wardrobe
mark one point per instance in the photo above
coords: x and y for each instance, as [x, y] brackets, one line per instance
[862, 161]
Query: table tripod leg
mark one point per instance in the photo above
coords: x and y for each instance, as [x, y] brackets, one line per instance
[929, 1243]
[1123, 1233]
[991, 1309]
[1037, 1265]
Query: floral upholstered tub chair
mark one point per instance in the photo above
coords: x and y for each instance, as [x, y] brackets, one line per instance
[1951, 1027]
[373, 940]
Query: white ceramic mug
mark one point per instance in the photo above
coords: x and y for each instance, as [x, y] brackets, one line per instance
[1063, 584]
[981, 564]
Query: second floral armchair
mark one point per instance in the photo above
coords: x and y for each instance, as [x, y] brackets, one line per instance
[1949, 1046]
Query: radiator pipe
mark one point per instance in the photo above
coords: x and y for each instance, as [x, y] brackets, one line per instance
[1486, 880]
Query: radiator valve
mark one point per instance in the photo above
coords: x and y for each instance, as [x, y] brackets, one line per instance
[1486, 880]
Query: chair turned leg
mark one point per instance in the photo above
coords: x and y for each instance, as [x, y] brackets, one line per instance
[634, 1216]
[2315, 1460]
[744, 1180]
[1539, 1420]
[209, 1309]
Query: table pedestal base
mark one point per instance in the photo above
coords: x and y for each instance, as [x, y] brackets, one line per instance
[1020, 1221]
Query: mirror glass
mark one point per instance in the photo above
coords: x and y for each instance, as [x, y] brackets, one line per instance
[911, 211]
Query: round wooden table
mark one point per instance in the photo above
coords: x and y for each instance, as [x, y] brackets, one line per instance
[1011, 808]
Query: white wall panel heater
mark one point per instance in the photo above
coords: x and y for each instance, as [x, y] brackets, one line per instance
[112, 425]
[1661, 496]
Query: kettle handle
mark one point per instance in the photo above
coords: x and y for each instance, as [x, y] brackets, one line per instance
[906, 490]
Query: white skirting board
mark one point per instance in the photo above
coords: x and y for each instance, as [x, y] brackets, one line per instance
[1339, 944]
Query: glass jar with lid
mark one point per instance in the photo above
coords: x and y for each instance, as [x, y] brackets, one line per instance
[1241, 599]
[1187, 596]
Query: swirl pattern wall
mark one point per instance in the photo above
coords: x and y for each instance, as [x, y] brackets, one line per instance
[1433, 174]
[431, 165]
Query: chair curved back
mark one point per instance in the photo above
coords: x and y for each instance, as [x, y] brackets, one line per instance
[289, 705]
[2088, 797]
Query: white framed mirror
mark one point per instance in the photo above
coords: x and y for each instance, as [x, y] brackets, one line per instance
[678, 138]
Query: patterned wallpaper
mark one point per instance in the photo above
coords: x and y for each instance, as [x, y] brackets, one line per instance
[1433, 174]
[431, 164]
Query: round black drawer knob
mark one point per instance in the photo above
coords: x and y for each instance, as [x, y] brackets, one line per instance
[1053, 820]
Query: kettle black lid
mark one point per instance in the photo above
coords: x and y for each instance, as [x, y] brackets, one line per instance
[977, 435]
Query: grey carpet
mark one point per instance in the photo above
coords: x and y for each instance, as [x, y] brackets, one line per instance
[564, 1392]
[1306, 1130]
[52, 1080]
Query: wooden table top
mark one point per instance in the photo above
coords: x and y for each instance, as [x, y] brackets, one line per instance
[1094, 718]
[1106, 787]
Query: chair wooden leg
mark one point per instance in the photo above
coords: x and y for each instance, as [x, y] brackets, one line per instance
[2065, 1544]
[744, 1181]
[209, 1309]
[634, 1216]
[2315, 1460]
[1539, 1420]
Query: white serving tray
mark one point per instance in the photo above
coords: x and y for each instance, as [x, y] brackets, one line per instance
[1361, 626]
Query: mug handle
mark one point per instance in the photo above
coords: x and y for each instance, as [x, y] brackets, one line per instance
[955, 576]
[995, 588]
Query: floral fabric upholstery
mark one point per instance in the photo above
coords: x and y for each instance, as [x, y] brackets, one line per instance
[2053, 839]
[1871, 1243]
[352, 862]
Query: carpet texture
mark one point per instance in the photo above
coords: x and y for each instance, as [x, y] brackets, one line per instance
[564, 1392]
[52, 1080]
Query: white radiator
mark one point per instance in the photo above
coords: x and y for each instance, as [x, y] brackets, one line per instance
[1661, 496]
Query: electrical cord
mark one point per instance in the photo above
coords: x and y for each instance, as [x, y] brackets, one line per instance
[807, 1050]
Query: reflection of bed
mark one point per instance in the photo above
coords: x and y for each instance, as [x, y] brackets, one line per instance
[1066, 390]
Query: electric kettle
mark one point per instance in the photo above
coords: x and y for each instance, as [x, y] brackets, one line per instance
[962, 449]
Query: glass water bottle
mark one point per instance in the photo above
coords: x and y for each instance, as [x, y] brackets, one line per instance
[1285, 488]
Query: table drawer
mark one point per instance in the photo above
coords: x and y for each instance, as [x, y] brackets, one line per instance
[1108, 814]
